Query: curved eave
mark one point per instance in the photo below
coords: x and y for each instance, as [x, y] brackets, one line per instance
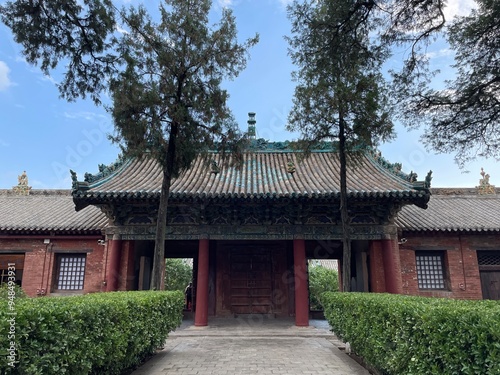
[450, 230]
[81, 200]
[50, 231]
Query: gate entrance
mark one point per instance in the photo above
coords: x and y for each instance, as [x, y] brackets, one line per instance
[251, 281]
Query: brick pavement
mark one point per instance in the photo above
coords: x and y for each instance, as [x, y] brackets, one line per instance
[242, 346]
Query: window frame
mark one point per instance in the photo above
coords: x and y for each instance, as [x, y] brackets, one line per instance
[428, 281]
[72, 267]
[16, 260]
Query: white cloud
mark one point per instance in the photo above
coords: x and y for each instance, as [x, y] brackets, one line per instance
[85, 115]
[225, 3]
[458, 8]
[5, 81]
[120, 29]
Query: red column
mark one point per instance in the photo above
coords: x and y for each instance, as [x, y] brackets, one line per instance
[301, 293]
[392, 267]
[201, 313]
[114, 257]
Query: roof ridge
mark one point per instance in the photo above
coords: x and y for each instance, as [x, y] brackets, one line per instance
[104, 174]
[461, 191]
[395, 170]
[37, 192]
[106, 170]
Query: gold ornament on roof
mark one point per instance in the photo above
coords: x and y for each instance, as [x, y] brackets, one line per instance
[22, 187]
[484, 184]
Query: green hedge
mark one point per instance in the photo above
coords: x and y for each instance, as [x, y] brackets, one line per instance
[102, 333]
[415, 335]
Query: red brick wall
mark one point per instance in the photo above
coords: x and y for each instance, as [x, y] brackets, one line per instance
[39, 261]
[460, 262]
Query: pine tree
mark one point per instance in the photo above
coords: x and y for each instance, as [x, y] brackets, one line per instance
[340, 91]
[169, 100]
[164, 78]
[465, 116]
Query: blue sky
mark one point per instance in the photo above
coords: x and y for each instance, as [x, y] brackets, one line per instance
[46, 136]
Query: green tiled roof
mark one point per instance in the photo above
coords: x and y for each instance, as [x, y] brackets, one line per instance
[264, 175]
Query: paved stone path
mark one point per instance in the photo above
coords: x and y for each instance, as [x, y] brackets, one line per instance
[252, 346]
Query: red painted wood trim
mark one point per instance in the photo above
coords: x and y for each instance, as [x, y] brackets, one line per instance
[301, 290]
[114, 249]
[201, 313]
[392, 267]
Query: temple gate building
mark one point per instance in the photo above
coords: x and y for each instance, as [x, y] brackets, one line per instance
[251, 230]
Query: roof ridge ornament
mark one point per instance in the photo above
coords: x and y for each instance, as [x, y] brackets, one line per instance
[252, 130]
[104, 170]
[484, 184]
[395, 168]
[76, 185]
[428, 180]
[22, 187]
[290, 166]
[263, 145]
[214, 167]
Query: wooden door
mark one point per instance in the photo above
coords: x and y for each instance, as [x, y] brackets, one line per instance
[489, 270]
[251, 281]
[490, 283]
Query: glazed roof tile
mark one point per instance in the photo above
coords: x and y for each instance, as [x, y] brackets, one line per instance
[46, 211]
[453, 210]
[263, 175]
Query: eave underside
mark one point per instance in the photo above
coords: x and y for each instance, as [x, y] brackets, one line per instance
[286, 218]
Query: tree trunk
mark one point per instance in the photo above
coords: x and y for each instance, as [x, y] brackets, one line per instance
[344, 213]
[158, 272]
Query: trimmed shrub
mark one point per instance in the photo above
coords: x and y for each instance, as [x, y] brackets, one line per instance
[416, 335]
[178, 274]
[16, 290]
[321, 280]
[101, 333]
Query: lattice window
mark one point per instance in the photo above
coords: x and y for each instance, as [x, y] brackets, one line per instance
[16, 264]
[430, 270]
[71, 272]
[488, 258]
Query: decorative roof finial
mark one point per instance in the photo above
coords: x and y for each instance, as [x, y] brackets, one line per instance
[214, 168]
[252, 133]
[484, 184]
[74, 180]
[22, 187]
[428, 179]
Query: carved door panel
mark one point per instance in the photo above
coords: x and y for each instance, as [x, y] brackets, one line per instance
[251, 281]
[490, 284]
